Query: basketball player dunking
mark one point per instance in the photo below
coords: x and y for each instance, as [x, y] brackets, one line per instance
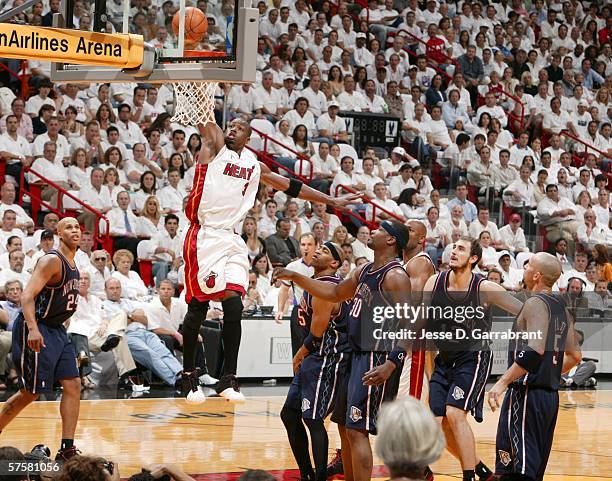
[529, 411]
[420, 267]
[42, 352]
[374, 370]
[318, 366]
[216, 258]
[462, 365]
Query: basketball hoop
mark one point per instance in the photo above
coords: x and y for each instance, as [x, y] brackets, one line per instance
[194, 102]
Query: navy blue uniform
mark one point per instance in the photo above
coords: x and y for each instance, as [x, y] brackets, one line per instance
[314, 387]
[529, 411]
[462, 365]
[358, 405]
[37, 372]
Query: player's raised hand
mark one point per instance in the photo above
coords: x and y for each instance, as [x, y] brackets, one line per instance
[280, 274]
[344, 201]
[378, 375]
[35, 340]
[496, 394]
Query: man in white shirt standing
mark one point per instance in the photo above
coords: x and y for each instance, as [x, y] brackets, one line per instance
[558, 216]
[51, 169]
[331, 126]
[378, 215]
[7, 201]
[129, 131]
[351, 99]
[14, 149]
[124, 226]
[308, 246]
[512, 235]
[267, 224]
[53, 135]
[95, 196]
[171, 197]
[168, 249]
[360, 244]
[374, 103]
[401, 181]
[590, 232]
[268, 99]
[317, 102]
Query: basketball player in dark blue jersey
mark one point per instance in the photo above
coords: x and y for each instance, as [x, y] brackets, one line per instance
[529, 411]
[373, 375]
[318, 366]
[42, 352]
[462, 366]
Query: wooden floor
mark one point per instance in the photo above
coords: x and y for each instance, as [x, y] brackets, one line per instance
[220, 437]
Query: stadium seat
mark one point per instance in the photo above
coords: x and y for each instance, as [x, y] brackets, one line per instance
[521, 257]
[346, 149]
[264, 126]
[256, 143]
[146, 271]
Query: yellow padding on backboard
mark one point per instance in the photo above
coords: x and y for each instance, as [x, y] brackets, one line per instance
[71, 46]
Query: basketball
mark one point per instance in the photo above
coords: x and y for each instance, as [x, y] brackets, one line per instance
[196, 24]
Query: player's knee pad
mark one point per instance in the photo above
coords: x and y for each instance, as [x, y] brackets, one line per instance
[232, 309]
[289, 417]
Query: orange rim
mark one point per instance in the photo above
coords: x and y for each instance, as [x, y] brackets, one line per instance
[203, 53]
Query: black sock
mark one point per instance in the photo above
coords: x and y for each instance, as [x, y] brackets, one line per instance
[196, 313]
[298, 440]
[67, 443]
[428, 473]
[231, 333]
[482, 470]
[319, 443]
[468, 475]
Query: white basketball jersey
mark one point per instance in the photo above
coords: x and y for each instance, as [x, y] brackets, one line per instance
[224, 190]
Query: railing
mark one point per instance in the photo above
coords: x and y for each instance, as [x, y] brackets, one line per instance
[420, 40]
[586, 145]
[371, 223]
[278, 165]
[35, 195]
[23, 79]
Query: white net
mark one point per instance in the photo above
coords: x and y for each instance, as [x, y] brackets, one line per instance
[194, 102]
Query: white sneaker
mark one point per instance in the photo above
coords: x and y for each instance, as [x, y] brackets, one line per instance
[232, 394]
[196, 397]
[207, 380]
[140, 388]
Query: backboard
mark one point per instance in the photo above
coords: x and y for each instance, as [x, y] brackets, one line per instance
[227, 52]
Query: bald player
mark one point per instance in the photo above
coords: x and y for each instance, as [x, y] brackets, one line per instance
[529, 410]
[419, 266]
[42, 352]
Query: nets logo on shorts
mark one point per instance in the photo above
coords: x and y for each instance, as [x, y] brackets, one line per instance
[504, 457]
[305, 405]
[458, 393]
[210, 280]
[355, 414]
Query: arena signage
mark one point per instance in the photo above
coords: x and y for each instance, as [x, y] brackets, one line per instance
[71, 46]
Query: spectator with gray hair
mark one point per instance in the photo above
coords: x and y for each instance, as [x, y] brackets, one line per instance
[409, 438]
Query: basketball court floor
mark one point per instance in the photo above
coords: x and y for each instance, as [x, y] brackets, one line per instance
[218, 440]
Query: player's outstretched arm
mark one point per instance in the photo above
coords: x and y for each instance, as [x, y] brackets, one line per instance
[212, 142]
[321, 289]
[281, 183]
[573, 354]
[499, 296]
[48, 269]
[534, 318]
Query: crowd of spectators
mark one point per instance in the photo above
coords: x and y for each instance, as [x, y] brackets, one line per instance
[484, 92]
